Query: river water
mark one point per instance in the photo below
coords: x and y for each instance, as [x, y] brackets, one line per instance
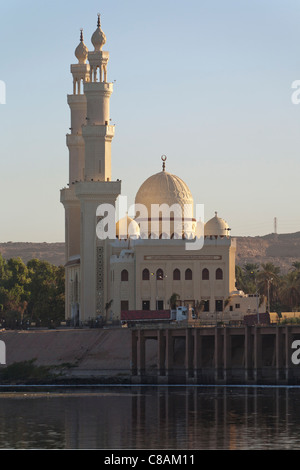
[142, 417]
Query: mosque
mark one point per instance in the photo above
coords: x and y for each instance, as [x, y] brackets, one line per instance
[151, 257]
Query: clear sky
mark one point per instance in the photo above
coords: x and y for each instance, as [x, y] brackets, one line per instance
[206, 82]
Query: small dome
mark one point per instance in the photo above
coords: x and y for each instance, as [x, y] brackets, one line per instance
[81, 51]
[216, 227]
[127, 228]
[98, 38]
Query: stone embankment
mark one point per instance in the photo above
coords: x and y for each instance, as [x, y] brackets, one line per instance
[76, 353]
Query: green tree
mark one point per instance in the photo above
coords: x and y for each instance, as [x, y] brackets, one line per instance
[268, 281]
[46, 287]
[289, 291]
[246, 277]
[173, 300]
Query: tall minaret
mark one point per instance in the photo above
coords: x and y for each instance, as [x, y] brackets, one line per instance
[77, 103]
[97, 187]
[75, 144]
[98, 132]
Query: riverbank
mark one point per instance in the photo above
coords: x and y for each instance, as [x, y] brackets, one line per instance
[68, 355]
[245, 355]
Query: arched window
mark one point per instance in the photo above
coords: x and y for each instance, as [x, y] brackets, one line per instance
[124, 275]
[188, 274]
[145, 275]
[205, 274]
[176, 275]
[219, 273]
[159, 275]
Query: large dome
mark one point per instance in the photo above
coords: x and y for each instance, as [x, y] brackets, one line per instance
[163, 188]
[169, 190]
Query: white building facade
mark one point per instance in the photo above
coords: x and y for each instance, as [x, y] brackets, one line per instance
[147, 262]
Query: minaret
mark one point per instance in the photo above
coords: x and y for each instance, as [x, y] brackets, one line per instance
[97, 187]
[75, 144]
[77, 103]
[98, 132]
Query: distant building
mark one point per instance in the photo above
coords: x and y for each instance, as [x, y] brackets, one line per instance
[138, 269]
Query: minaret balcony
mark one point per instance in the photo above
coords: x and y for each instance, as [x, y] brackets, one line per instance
[96, 87]
[74, 140]
[98, 130]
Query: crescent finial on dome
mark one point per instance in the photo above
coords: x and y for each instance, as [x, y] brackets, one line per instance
[164, 158]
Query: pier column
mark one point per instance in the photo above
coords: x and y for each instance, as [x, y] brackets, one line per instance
[134, 340]
[169, 352]
[248, 355]
[279, 353]
[227, 353]
[257, 353]
[142, 353]
[288, 351]
[197, 353]
[218, 353]
[188, 352]
[161, 356]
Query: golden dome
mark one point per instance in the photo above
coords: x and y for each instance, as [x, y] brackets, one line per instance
[216, 227]
[164, 188]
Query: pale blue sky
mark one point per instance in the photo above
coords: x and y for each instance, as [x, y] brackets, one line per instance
[208, 83]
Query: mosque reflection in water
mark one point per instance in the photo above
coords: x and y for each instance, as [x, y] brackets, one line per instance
[153, 418]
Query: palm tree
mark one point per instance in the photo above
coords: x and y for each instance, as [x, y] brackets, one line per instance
[268, 280]
[290, 290]
[251, 271]
[296, 266]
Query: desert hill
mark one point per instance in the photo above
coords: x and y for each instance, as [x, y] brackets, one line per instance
[282, 250]
[54, 253]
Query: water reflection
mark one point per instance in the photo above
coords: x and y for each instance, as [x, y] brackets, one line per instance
[152, 418]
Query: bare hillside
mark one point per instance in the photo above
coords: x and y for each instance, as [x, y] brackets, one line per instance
[54, 253]
[282, 250]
